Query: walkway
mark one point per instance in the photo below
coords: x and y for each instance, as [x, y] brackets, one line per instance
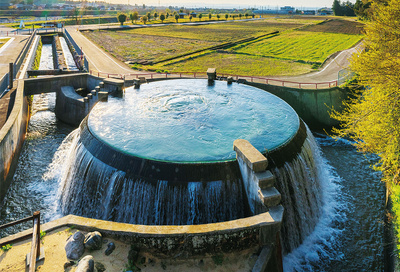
[11, 52]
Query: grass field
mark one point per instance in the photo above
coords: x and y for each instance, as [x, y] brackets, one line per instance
[312, 47]
[3, 41]
[337, 26]
[136, 47]
[302, 44]
[237, 64]
[221, 32]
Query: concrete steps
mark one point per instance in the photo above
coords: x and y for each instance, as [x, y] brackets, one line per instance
[271, 197]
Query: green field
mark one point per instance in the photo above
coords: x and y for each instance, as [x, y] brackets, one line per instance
[220, 32]
[312, 47]
[236, 64]
[293, 51]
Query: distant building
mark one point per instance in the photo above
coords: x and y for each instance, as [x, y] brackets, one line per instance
[325, 11]
[309, 12]
[287, 10]
[182, 15]
[194, 14]
[282, 10]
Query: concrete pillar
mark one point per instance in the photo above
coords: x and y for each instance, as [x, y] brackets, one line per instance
[11, 75]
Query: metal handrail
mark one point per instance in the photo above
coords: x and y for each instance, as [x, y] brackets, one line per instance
[283, 83]
[35, 246]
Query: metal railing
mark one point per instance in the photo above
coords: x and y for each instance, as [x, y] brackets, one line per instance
[255, 79]
[35, 246]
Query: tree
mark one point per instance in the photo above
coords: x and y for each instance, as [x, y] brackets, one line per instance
[240, 16]
[148, 14]
[155, 15]
[200, 16]
[226, 16]
[363, 9]
[122, 18]
[372, 117]
[162, 17]
[176, 17]
[144, 19]
[337, 8]
[209, 16]
[190, 17]
[343, 9]
[218, 16]
[75, 14]
[134, 16]
[246, 15]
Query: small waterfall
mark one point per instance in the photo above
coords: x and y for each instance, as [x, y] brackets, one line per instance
[91, 188]
[298, 182]
[69, 59]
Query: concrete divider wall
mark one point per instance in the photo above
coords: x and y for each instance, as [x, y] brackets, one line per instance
[313, 106]
[12, 136]
[54, 83]
[70, 106]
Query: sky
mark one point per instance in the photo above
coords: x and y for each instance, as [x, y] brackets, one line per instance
[266, 4]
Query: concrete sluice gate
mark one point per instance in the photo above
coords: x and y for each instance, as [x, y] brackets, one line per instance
[162, 155]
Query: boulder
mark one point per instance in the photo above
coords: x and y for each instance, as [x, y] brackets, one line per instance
[93, 240]
[74, 247]
[86, 264]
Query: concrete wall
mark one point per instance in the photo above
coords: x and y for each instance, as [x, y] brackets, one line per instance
[12, 136]
[313, 106]
[53, 83]
[169, 241]
[70, 107]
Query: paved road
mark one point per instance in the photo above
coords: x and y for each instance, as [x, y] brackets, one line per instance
[99, 60]
[9, 52]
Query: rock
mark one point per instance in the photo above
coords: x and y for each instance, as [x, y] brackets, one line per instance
[110, 248]
[93, 240]
[86, 264]
[68, 264]
[100, 267]
[74, 247]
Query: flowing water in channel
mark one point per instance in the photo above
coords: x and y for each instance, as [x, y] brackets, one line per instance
[69, 59]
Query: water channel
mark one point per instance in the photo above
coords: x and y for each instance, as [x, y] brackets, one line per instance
[348, 237]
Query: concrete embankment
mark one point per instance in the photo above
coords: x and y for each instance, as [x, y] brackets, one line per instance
[12, 136]
[313, 106]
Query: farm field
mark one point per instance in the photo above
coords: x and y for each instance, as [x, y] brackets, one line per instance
[135, 47]
[337, 26]
[236, 64]
[293, 51]
[313, 47]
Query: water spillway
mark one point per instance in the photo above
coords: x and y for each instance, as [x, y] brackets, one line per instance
[163, 155]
